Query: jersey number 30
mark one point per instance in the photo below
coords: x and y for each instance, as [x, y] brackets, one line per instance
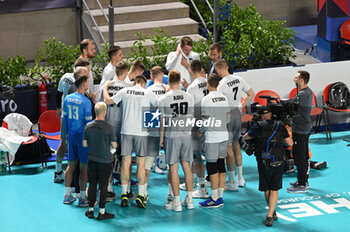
[179, 108]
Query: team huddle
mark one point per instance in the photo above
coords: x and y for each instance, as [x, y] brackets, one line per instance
[186, 93]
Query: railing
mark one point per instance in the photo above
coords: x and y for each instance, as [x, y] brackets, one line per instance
[215, 13]
[98, 37]
[94, 21]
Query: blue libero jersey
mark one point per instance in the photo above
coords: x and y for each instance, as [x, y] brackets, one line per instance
[76, 114]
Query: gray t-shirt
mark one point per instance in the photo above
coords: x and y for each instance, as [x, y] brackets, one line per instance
[99, 135]
[301, 124]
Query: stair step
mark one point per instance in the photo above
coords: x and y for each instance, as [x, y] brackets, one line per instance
[171, 27]
[152, 12]
[126, 45]
[121, 3]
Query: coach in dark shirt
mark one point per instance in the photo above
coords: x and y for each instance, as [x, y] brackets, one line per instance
[99, 136]
[215, 52]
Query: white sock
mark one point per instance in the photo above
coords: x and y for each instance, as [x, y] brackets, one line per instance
[201, 182]
[82, 194]
[141, 190]
[189, 195]
[220, 192]
[214, 194]
[231, 177]
[145, 189]
[124, 188]
[170, 190]
[102, 210]
[109, 188]
[91, 209]
[67, 191]
[177, 199]
[129, 184]
[58, 167]
[239, 172]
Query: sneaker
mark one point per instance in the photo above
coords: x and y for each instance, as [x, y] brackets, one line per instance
[68, 199]
[188, 203]
[241, 182]
[297, 189]
[294, 184]
[105, 216]
[168, 203]
[210, 203]
[221, 201]
[320, 165]
[140, 201]
[125, 200]
[231, 187]
[268, 221]
[175, 206]
[130, 195]
[111, 196]
[146, 199]
[201, 193]
[83, 202]
[158, 170]
[182, 186]
[274, 216]
[89, 214]
[59, 177]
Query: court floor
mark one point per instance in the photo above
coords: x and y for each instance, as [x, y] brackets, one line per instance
[30, 201]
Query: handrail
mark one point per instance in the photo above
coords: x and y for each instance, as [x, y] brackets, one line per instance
[94, 21]
[199, 14]
[103, 12]
[210, 7]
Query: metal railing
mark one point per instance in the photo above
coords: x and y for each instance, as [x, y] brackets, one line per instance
[215, 13]
[93, 19]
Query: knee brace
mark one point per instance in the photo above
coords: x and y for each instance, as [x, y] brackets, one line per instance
[212, 168]
[221, 165]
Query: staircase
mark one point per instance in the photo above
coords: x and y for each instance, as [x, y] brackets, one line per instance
[144, 16]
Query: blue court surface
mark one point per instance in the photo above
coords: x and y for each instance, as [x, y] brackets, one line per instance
[30, 201]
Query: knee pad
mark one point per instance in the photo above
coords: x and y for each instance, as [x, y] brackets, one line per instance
[212, 168]
[149, 162]
[221, 165]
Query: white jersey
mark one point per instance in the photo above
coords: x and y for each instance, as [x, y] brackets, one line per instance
[65, 83]
[173, 62]
[198, 89]
[134, 101]
[114, 111]
[232, 87]
[108, 73]
[91, 82]
[216, 106]
[176, 108]
[158, 90]
[127, 80]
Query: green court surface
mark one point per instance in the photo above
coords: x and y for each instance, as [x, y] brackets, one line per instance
[30, 201]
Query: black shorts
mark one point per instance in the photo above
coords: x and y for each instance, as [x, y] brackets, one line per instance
[269, 178]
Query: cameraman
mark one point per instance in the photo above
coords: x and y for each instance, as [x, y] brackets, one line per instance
[272, 134]
[301, 127]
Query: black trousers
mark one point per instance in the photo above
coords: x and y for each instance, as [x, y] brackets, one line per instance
[98, 173]
[301, 156]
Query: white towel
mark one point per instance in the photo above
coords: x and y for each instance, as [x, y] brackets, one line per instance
[18, 123]
[10, 142]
